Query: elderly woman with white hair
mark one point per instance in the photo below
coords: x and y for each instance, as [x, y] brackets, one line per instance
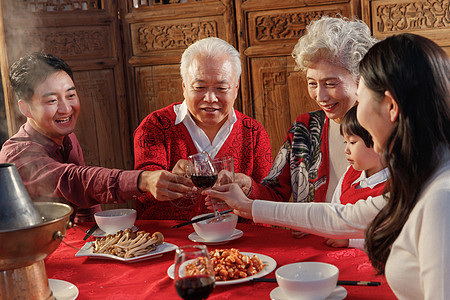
[204, 121]
[312, 158]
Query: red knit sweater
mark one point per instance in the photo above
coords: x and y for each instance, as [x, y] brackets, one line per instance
[349, 192]
[159, 144]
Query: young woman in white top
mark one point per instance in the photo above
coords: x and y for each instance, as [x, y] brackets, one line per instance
[404, 103]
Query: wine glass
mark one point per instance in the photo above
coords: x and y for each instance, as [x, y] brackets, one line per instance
[224, 168]
[194, 273]
[201, 171]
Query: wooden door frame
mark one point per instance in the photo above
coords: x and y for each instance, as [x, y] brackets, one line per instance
[8, 96]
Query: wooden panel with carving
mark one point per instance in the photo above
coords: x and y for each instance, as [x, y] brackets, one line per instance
[158, 86]
[152, 37]
[61, 5]
[72, 43]
[271, 99]
[269, 27]
[430, 18]
[278, 95]
[272, 90]
[97, 127]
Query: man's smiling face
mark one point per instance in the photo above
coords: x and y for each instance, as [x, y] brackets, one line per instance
[210, 90]
[54, 107]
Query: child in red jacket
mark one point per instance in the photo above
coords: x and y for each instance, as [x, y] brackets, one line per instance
[364, 178]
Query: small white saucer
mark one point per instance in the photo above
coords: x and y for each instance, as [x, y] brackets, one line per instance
[63, 290]
[338, 293]
[198, 239]
[100, 233]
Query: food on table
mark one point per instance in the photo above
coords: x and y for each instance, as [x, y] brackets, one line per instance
[229, 264]
[128, 244]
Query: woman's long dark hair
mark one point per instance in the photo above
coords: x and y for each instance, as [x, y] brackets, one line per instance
[416, 71]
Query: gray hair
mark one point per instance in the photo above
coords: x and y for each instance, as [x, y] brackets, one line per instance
[210, 47]
[338, 40]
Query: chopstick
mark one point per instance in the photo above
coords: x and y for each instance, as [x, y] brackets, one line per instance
[264, 280]
[340, 282]
[364, 283]
[202, 218]
[90, 231]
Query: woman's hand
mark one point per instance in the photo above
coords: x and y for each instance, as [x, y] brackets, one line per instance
[299, 234]
[219, 205]
[233, 196]
[164, 185]
[244, 182]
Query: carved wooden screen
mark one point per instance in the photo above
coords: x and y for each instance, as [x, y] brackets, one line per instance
[157, 33]
[272, 90]
[430, 18]
[85, 34]
[62, 5]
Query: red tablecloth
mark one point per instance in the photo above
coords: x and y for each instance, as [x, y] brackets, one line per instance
[109, 279]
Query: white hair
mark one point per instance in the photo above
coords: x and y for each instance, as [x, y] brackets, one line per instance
[210, 47]
[339, 40]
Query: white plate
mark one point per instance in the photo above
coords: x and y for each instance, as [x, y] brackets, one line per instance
[63, 290]
[270, 263]
[338, 293]
[198, 239]
[100, 233]
[86, 250]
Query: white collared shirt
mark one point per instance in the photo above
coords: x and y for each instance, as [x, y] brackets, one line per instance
[373, 180]
[201, 140]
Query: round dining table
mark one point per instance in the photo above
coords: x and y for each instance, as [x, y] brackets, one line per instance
[104, 278]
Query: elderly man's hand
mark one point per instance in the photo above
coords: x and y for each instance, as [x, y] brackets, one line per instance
[180, 167]
[164, 185]
[244, 182]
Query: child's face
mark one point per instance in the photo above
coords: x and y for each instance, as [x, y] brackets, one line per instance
[53, 109]
[360, 156]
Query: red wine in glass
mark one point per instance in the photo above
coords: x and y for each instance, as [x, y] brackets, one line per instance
[195, 287]
[203, 181]
[194, 273]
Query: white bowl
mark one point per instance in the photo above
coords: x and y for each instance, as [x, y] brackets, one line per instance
[307, 280]
[113, 220]
[216, 231]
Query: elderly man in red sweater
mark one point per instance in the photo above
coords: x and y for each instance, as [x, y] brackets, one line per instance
[204, 121]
